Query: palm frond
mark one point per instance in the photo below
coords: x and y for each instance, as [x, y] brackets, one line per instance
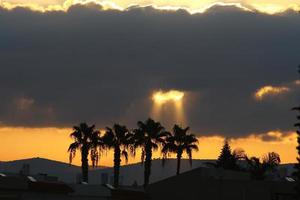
[125, 155]
[72, 151]
[94, 157]
[73, 146]
[142, 156]
[154, 146]
[193, 147]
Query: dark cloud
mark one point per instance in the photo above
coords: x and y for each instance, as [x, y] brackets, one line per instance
[102, 66]
[271, 138]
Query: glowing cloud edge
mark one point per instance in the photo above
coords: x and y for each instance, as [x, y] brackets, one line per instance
[110, 5]
[268, 90]
[165, 96]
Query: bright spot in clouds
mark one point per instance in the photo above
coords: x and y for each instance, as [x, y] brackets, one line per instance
[161, 97]
[297, 82]
[270, 90]
[168, 105]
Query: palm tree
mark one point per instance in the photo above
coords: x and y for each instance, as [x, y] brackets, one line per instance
[119, 138]
[178, 142]
[258, 169]
[86, 139]
[148, 136]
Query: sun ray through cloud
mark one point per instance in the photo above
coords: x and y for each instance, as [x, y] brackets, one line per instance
[169, 100]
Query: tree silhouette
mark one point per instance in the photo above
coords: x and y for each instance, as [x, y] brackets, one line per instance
[228, 159]
[225, 157]
[178, 142]
[258, 169]
[86, 139]
[119, 138]
[148, 136]
[297, 165]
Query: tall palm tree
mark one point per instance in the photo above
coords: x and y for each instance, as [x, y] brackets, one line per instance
[148, 136]
[86, 139]
[119, 139]
[179, 142]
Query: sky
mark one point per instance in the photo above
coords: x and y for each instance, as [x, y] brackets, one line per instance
[195, 6]
[102, 62]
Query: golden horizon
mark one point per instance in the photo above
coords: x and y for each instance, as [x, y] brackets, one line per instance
[52, 143]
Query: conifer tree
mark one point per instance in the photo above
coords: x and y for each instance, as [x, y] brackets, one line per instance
[226, 159]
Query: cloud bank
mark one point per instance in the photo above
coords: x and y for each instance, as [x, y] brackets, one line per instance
[102, 66]
[196, 6]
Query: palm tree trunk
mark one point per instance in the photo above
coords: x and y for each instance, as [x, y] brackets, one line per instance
[179, 154]
[117, 162]
[84, 164]
[147, 172]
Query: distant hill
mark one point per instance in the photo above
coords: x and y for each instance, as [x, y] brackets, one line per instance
[128, 173]
[135, 172]
[68, 173]
[64, 171]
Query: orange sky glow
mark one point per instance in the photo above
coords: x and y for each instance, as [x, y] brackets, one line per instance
[52, 143]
